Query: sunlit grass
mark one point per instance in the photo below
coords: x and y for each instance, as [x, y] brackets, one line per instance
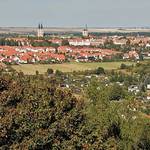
[67, 67]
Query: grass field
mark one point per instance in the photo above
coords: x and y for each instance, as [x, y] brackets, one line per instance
[67, 67]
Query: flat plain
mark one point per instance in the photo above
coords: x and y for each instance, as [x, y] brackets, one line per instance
[27, 30]
[67, 67]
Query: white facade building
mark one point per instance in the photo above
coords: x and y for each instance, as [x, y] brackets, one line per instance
[80, 42]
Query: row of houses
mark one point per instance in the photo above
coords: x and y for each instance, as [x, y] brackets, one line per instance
[92, 40]
[131, 55]
[29, 54]
[86, 52]
[70, 49]
[25, 54]
[117, 40]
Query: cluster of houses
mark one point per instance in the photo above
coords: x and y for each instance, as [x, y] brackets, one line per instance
[30, 54]
[86, 54]
[80, 49]
[131, 55]
[89, 39]
[117, 40]
[78, 82]
[136, 89]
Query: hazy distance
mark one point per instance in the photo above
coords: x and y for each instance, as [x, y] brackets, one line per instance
[75, 13]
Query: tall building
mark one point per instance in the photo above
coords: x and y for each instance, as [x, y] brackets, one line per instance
[85, 32]
[40, 31]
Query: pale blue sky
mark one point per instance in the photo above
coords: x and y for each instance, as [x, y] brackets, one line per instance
[73, 13]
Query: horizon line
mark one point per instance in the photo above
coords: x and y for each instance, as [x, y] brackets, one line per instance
[101, 27]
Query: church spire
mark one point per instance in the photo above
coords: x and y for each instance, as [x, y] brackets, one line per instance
[41, 26]
[85, 31]
[40, 31]
[86, 27]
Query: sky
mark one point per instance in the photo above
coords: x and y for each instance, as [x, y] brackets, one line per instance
[75, 13]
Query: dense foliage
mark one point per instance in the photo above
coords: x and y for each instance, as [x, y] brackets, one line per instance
[4, 42]
[36, 114]
[115, 125]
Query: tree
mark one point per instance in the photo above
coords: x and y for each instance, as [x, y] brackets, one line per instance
[65, 42]
[58, 73]
[118, 126]
[37, 72]
[123, 66]
[128, 42]
[37, 115]
[116, 92]
[141, 57]
[50, 71]
[100, 70]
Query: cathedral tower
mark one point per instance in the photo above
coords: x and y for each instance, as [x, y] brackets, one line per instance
[85, 32]
[40, 31]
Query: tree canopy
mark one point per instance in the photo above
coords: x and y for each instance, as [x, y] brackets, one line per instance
[36, 114]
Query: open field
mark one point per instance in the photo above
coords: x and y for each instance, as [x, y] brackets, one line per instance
[67, 67]
[22, 30]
